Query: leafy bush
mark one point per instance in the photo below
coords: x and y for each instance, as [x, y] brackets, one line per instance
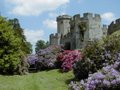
[67, 58]
[106, 79]
[96, 55]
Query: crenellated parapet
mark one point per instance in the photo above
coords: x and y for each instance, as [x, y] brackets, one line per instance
[91, 16]
[63, 17]
[55, 39]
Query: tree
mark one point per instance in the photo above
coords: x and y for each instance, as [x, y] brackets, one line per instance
[40, 45]
[12, 57]
[29, 47]
[25, 46]
[47, 43]
[9, 48]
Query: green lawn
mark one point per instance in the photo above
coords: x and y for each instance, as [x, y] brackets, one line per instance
[116, 33]
[45, 80]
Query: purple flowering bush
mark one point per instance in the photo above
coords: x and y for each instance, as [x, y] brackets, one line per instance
[44, 58]
[47, 57]
[32, 59]
[97, 55]
[108, 78]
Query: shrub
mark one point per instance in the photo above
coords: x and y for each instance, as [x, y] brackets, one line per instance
[10, 52]
[96, 55]
[45, 58]
[106, 79]
[67, 58]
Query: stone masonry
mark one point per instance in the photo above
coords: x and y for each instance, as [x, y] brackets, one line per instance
[75, 32]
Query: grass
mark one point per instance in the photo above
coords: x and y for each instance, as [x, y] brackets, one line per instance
[116, 33]
[45, 80]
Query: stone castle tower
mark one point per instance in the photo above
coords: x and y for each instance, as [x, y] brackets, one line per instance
[75, 32]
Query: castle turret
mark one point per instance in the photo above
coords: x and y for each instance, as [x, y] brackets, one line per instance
[55, 39]
[63, 24]
[104, 29]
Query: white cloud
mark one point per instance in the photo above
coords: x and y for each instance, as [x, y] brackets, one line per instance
[33, 35]
[35, 7]
[52, 24]
[108, 17]
[53, 15]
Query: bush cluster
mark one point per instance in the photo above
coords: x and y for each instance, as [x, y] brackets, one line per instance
[96, 55]
[45, 58]
[108, 78]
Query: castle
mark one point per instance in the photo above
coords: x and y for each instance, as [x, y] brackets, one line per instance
[75, 32]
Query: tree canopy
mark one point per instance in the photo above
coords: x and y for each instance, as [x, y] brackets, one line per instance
[41, 44]
[13, 47]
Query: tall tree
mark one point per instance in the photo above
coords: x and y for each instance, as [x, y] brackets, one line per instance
[25, 46]
[9, 48]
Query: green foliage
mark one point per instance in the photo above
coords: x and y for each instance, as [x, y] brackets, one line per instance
[29, 47]
[96, 55]
[116, 33]
[41, 44]
[9, 48]
[11, 57]
[25, 46]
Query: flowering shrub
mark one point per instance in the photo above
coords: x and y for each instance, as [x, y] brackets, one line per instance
[32, 59]
[96, 55]
[44, 58]
[67, 58]
[106, 79]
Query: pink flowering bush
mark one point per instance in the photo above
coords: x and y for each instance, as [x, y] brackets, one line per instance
[67, 58]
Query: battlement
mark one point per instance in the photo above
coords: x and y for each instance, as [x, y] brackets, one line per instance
[91, 16]
[62, 17]
[88, 15]
[105, 26]
[76, 17]
[56, 35]
[52, 35]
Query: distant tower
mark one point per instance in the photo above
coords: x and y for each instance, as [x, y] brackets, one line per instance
[63, 24]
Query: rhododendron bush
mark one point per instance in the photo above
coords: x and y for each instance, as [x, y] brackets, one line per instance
[108, 78]
[67, 58]
[54, 57]
[44, 58]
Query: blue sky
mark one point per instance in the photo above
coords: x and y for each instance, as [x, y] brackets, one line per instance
[38, 17]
